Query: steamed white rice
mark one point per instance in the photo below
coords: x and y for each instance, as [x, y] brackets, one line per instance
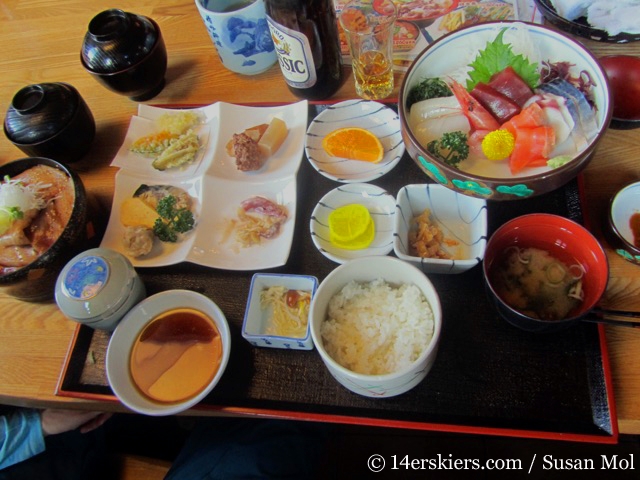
[376, 328]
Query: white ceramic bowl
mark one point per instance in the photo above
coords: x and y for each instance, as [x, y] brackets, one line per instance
[379, 119]
[462, 219]
[395, 272]
[381, 206]
[128, 330]
[256, 318]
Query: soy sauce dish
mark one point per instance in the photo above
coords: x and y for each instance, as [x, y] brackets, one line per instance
[544, 272]
[168, 352]
[622, 226]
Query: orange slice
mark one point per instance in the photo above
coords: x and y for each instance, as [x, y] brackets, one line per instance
[353, 143]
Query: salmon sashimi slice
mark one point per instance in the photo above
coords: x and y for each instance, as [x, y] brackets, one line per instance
[479, 117]
[530, 117]
[533, 146]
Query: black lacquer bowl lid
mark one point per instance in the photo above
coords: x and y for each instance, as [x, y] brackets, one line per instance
[40, 111]
[117, 40]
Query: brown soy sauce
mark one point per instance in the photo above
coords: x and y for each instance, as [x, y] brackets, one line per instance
[176, 356]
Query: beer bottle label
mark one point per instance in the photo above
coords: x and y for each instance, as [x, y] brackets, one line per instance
[294, 55]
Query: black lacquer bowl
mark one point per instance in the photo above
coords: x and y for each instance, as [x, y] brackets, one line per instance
[50, 120]
[126, 53]
[36, 281]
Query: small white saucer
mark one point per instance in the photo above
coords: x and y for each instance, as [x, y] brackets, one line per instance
[379, 119]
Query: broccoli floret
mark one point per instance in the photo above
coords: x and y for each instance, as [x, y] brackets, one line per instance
[426, 89]
[172, 220]
[451, 148]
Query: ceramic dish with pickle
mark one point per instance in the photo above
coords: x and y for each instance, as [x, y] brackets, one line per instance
[366, 214]
[277, 314]
[439, 230]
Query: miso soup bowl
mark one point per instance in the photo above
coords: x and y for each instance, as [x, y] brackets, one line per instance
[128, 330]
[565, 240]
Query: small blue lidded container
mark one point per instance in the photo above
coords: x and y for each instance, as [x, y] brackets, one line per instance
[98, 287]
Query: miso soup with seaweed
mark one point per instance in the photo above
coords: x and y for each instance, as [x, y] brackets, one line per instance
[538, 284]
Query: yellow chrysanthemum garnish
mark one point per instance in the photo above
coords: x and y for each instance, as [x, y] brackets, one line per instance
[498, 145]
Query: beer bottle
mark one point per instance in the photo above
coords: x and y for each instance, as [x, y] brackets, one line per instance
[305, 34]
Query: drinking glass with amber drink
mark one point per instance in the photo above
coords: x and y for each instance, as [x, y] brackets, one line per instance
[368, 27]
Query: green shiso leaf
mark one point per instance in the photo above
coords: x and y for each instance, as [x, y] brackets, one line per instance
[497, 56]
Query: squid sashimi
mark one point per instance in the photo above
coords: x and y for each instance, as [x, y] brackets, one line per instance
[479, 117]
[430, 119]
[434, 127]
[532, 148]
[433, 107]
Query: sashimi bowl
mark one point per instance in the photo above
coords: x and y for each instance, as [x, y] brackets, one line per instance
[504, 110]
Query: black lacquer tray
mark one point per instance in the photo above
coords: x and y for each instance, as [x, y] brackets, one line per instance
[489, 377]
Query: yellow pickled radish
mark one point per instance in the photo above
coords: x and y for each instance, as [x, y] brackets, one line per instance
[348, 222]
[498, 145]
[360, 242]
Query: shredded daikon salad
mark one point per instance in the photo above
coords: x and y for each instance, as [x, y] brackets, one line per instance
[289, 311]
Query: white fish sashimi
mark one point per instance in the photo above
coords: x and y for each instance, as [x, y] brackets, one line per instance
[434, 127]
[433, 107]
[556, 113]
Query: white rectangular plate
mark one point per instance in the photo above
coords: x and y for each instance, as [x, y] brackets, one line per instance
[216, 186]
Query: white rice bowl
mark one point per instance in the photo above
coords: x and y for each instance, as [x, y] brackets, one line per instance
[375, 328]
[376, 323]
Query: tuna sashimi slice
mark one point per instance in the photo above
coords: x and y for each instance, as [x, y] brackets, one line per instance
[511, 85]
[499, 105]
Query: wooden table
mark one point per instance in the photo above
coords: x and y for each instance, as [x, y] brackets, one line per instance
[41, 43]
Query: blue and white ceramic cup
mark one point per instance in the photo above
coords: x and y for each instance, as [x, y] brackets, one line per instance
[239, 30]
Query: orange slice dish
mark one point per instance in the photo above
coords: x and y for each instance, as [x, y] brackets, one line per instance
[353, 143]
